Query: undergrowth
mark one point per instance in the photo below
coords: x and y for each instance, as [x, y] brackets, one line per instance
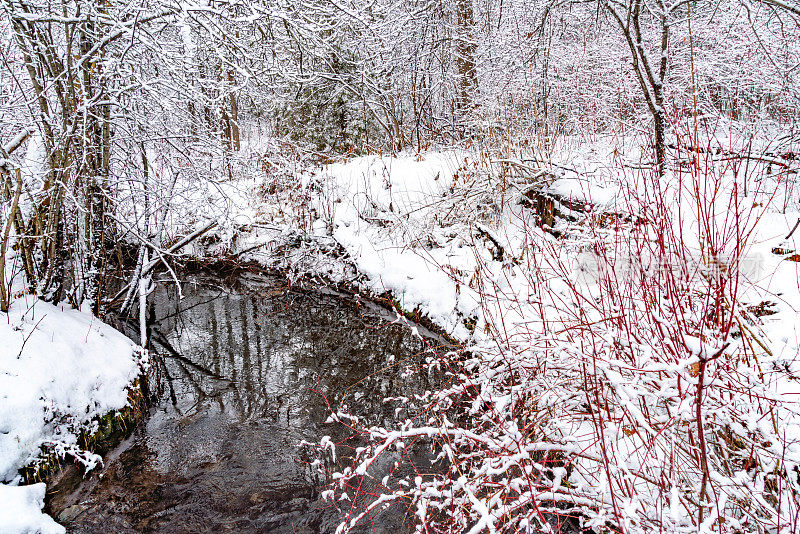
[621, 381]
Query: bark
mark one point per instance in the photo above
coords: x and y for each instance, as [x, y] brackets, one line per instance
[235, 139]
[4, 297]
[465, 62]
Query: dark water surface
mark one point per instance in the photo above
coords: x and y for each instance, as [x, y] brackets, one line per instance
[243, 376]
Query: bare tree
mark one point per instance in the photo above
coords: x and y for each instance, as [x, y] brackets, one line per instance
[649, 68]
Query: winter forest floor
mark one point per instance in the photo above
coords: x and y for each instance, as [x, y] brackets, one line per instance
[632, 342]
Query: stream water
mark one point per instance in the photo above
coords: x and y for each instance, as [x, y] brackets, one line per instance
[244, 372]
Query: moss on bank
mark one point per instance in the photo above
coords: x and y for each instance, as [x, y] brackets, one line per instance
[98, 436]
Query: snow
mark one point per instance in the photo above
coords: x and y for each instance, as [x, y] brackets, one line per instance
[20, 511]
[59, 369]
[556, 111]
[389, 204]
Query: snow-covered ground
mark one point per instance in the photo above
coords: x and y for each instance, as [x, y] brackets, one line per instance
[59, 369]
[21, 511]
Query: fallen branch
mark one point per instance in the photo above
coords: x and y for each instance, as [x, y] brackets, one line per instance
[176, 247]
[497, 254]
[17, 141]
[150, 265]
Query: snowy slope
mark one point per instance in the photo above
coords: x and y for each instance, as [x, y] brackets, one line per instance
[59, 368]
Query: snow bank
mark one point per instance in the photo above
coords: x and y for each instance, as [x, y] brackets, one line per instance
[20, 511]
[59, 369]
[383, 207]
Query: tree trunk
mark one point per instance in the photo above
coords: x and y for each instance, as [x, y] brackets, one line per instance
[650, 80]
[467, 81]
[234, 119]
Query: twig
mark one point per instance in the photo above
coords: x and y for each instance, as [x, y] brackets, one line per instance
[793, 229]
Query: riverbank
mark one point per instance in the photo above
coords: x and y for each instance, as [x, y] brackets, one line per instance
[61, 371]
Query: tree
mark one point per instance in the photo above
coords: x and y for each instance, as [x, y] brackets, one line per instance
[649, 69]
[465, 48]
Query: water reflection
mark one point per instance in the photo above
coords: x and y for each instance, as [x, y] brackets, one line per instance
[246, 373]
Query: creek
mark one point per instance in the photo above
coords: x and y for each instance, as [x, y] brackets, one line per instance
[242, 372]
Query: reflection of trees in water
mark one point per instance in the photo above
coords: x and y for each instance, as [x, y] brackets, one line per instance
[263, 354]
[242, 375]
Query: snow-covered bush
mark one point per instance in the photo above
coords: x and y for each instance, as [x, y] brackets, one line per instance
[620, 377]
